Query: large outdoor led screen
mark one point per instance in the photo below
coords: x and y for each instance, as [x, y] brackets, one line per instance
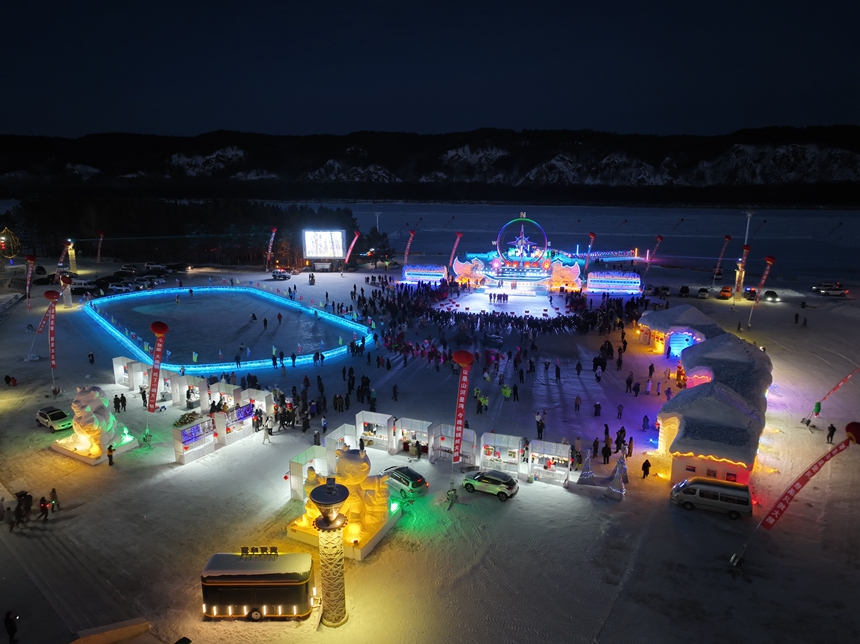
[324, 244]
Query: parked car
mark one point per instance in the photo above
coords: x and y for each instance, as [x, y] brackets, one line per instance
[181, 267]
[771, 296]
[43, 281]
[826, 286]
[834, 290]
[393, 264]
[648, 290]
[40, 270]
[123, 275]
[151, 265]
[503, 485]
[704, 293]
[129, 267]
[718, 274]
[725, 293]
[54, 419]
[665, 290]
[712, 494]
[406, 481]
[684, 291]
[280, 274]
[749, 293]
[122, 287]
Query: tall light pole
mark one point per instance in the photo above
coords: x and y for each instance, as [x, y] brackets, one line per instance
[377, 213]
[329, 499]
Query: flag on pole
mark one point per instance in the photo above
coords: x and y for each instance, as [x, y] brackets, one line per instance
[220, 355]
[193, 356]
[146, 346]
[168, 354]
[274, 350]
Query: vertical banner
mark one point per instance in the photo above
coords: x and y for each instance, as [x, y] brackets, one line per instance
[739, 283]
[52, 334]
[46, 317]
[351, 246]
[66, 245]
[770, 260]
[269, 252]
[408, 245]
[465, 360]
[454, 250]
[781, 506]
[588, 254]
[726, 241]
[654, 252]
[160, 330]
[99, 251]
[31, 262]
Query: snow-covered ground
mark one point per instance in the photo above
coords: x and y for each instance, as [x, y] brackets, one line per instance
[552, 564]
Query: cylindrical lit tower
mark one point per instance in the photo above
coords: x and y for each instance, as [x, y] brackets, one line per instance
[329, 499]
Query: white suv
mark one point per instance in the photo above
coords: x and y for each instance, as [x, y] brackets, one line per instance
[503, 485]
[406, 481]
[153, 266]
[280, 274]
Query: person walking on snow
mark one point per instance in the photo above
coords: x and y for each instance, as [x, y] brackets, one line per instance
[831, 431]
[620, 409]
[266, 438]
[646, 468]
[630, 448]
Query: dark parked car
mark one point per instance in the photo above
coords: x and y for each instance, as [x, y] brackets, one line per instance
[684, 291]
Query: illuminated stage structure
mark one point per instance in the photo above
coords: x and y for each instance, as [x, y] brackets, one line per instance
[524, 263]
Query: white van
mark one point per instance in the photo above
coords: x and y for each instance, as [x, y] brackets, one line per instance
[82, 283]
[711, 494]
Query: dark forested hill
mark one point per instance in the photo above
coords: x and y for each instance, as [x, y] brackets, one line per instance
[785, 166]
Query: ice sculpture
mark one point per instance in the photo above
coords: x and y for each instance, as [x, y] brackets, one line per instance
[94, 423]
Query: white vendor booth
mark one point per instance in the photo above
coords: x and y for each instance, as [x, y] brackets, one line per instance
[314, 456]
[442, 444]
[234, 424]
[549, 462]
[261, 399]
[194, 440]
[130, 373]
[179, 385]
[406, 432]
[231, 394]
[344, 437]
[376, 429]
[501, 452]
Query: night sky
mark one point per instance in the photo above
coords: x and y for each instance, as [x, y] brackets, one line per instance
[185, 67]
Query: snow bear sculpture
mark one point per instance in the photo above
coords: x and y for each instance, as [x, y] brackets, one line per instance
[94, 424]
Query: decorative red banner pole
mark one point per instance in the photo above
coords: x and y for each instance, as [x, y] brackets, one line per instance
[269, 251]
[770, 260]
[465, 360]
[66, 245]
[654, 252]
[739, 283]
[351, 246]
[50, 318]
[408, 244]
[588, 254]
[31, 262]
[454, 250]
[99, 250]
[726, 241]
[160, 329]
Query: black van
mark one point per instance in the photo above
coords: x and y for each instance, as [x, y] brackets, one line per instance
[254, 586]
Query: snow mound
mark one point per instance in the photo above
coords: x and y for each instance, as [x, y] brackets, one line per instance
[480, 160]
[254, 175]
[735, 363]
[716, 420]
[750, 164]
[81, 170]
[433, 177]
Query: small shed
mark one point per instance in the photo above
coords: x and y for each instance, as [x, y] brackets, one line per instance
[670, 331]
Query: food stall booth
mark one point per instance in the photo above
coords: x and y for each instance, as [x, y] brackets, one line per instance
[220, 391]
[181, 385]
[130, 373]
[549, 462]
[344, 437]
[441, 444]
[260, 398]
[407, 431]
[193, 437]
[501, 452]
[314, 456]
[377, 430]
[234, 424]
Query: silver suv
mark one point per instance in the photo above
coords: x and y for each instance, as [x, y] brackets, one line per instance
[503, 485]
[406, 481]
[54, 419]
[280, 274]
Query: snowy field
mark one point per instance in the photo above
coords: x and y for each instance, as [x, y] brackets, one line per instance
[551, 564]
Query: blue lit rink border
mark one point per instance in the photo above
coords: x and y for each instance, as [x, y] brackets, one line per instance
[92, 309]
